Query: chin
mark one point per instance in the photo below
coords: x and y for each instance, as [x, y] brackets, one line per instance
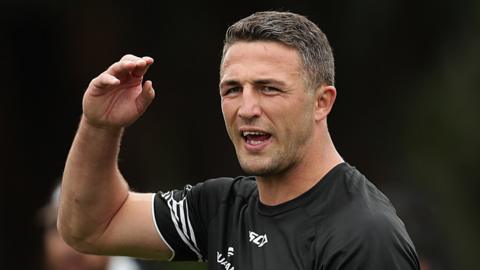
[258, 168]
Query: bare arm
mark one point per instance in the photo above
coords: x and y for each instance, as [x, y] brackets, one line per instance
[98, 214]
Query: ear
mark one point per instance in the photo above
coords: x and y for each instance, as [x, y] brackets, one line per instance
[324, 98]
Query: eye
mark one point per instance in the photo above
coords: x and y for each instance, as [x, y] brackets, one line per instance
[232, 90]
[269, 89]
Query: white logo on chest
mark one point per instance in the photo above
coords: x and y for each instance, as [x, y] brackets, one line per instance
[259, 240]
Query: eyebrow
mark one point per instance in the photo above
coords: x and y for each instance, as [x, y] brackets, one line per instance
[228, 83]
[256, 82]
[269, 81]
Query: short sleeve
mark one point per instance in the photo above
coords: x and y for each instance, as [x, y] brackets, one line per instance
[177, 225]
[182, 217]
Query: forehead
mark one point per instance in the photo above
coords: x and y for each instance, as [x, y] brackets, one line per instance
[260, 58]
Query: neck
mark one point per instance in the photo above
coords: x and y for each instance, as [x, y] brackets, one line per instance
[302, 176]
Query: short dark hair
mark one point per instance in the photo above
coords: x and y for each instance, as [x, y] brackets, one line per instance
[292, 30]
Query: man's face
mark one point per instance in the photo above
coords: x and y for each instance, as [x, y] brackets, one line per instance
[268, 112]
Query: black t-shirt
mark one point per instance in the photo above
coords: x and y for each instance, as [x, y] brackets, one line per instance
[343, 222]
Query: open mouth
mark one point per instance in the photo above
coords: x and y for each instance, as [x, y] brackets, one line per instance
[255, 137]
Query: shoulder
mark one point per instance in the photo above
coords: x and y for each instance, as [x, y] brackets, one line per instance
[219, 189]
[362, 223]
[239, 183]
[350, 192]
[213, 191]
[361, 207]
[226, 187]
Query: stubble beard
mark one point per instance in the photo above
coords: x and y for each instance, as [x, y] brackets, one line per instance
[279, 160]
[263, 166]
[275, 163]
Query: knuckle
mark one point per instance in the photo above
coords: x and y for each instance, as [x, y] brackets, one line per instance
[112, 66]
[129, 57]
[96, 79]
[101, 77]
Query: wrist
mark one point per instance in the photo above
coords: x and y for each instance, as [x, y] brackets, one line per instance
[85, 123]
[92, 130]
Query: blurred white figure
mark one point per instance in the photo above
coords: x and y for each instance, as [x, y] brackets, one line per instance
[60, 256]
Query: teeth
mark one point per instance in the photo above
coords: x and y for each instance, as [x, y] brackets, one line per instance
[255, 133]
[255, 142]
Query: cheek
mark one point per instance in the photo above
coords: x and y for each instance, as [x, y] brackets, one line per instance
[296, 120]
[228, 111]
[228, 116]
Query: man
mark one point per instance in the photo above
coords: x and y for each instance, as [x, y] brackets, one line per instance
[304, 208]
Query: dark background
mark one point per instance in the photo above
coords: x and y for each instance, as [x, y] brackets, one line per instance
[407, 113]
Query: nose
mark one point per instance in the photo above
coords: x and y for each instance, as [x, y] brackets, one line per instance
[250, 106]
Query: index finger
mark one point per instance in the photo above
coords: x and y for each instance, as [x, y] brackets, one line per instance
[142, 66]
[131, 57]
[130, 64]
[121, 68]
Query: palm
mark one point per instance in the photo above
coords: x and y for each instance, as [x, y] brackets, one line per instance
[116, 98]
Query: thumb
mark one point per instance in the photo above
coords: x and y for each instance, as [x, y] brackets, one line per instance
[146, 97]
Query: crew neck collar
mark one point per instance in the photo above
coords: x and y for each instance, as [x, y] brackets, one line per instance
[321, 185]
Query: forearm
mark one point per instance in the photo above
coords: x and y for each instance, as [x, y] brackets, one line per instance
[93, 189]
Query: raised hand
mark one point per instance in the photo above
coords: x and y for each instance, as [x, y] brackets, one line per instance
[117, 98]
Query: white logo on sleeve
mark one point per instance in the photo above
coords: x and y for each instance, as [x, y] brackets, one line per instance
[257, 239]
